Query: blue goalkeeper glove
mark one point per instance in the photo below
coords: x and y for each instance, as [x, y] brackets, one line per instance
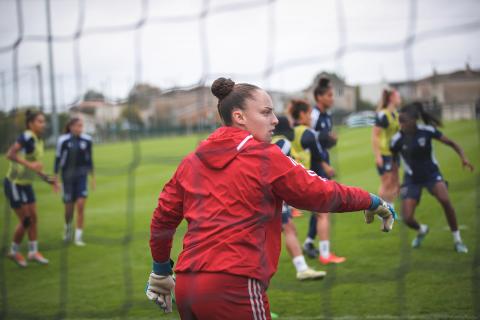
[381, 208]
[160, 285]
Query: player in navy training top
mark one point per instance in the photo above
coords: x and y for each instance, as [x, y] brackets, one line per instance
[282, 137]
[322, 123]
[414, 143]
[74, 160]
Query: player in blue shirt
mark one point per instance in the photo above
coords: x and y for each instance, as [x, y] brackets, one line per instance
[321, 122]
[282, 137]
[74, 160]
[414, 143]
[321, 117]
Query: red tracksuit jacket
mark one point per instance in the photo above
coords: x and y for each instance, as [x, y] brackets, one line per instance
[230, 191]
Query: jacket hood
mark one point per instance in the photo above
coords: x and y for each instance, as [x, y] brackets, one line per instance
[222, 146]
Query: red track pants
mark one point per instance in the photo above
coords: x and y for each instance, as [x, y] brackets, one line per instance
[220, 296]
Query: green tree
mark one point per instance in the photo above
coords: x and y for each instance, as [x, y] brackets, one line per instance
[131, 115]
[7, 129]
[12, 123]
[92, 95]
[142, 95]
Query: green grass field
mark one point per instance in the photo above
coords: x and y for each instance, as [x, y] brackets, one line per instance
[383, 278]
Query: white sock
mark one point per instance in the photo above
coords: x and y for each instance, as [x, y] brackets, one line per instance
[456, 236]
[324, 246]
[78, 234]
[300, 264]
[423, 228]
[15, 247]
[32, 246]
[308, 240]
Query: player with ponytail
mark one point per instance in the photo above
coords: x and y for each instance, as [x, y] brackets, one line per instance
[386, 126]
[321, 122]
[25, 157]
[414, 143]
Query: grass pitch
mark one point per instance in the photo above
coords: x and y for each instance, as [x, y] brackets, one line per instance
[383, 278]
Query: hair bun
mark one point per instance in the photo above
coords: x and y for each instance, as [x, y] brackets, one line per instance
[222, 87]
[324, 82]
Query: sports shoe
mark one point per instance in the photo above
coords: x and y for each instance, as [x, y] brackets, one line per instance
[310, 250]
[80, 243]
[38, 257]
[296, 213]
[332, 258]
[419, 238]
[310, 274]
[18, 259]
[460, 247]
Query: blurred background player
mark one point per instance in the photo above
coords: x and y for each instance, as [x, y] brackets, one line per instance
[321, 122]
[386, 125]
[414, 143]
[283, 135]
[18, 186]
[75, 161]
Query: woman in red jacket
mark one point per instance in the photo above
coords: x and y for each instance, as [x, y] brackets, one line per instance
[230, 190]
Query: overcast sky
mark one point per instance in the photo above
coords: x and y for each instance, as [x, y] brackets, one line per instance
[296, 38]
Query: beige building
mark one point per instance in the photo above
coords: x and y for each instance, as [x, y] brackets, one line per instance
[189, 108]
[96, 114]
[456, 92]
[198, 106]
[186, 107]
[372, 92]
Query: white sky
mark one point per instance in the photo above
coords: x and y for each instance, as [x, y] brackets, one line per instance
[239, 43]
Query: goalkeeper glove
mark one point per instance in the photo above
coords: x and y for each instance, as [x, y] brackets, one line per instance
[160, 285]
[382, 209]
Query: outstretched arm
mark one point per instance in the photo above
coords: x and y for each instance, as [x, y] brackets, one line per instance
[465, 162]
[305, 190]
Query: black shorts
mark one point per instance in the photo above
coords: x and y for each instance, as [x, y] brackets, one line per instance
[74, 188]
[18, 194]
[388, 162]
[413, 190]
[286, 213]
